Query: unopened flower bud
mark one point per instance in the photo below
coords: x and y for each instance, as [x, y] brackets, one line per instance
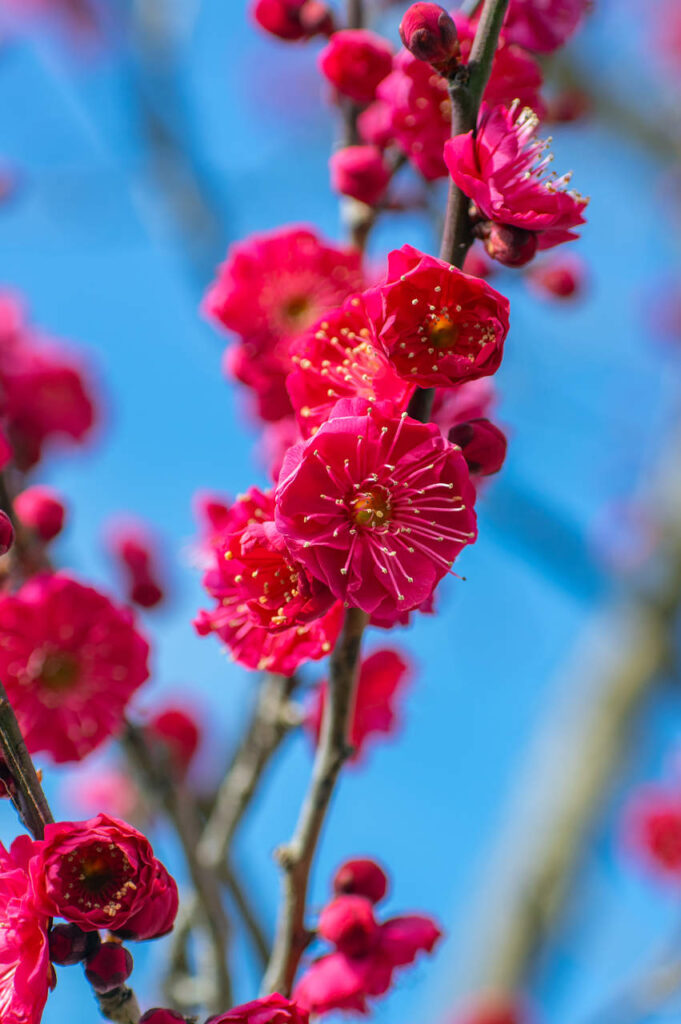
[429, 33]
[6, 533]
[361, 877]
[483, 445]
[109, 967]
[514, 247]
[293, 20]
[360, 172]
[41, 510]
[560, 278]
[69, 944]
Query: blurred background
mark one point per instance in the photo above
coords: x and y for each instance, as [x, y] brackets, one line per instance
[139, 146]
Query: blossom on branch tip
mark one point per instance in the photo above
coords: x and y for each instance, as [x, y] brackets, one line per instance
[501, 168]
[413, 108]
[429, 33]
[366, 955]
[70, 660]
[355, 61]
[271, 288]
[381, 677]
[361, 877]
[6, 533]
[134, 547]
[179, 732]
[272, 1009]
[438, 325]
[377, 506]
[102, 873]
[483, 445]
[69, 944]
[360, 172]
[341, 357]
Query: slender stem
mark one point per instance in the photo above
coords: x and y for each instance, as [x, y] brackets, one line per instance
[267, 729]
[22, 780]
[259, 938]
[159, 778]
[355, 13]
[296, 858]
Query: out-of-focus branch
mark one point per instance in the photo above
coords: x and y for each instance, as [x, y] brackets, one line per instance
[23, 785]
[571, 764]
[270, 723]
[296, 857]
[159, 779]
[271, 720]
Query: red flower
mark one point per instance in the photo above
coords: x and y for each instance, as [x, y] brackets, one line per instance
[361, 877]
[271, 288]
[102, 873]
[471, 400]
[355, 61]
[176, 728]
[413, 108]
[652, 831]
[483, 446]
[546, 26]
[500, 169]
[25, 972]
[293, 19]
[381, 676]
[360, 172]
[377, 506]
[340, 357]
[273, 1009]
[134, 547]
[438, 325]
[429, 33]
[6, 533]
[42, 510]
[366, 956]
[561, 278]
[70, 661]
[269, 613]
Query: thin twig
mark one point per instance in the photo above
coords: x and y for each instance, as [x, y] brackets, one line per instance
[296, 858]
[259, 938]
[159, 778]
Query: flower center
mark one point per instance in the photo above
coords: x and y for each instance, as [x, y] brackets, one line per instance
[443, 333]
[371, 507]
[98, 876]
[297, 311]
[59, 670]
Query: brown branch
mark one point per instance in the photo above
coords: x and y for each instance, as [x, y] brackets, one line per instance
[259, 938]
[571, 766]
[158, 777]
[296, 858]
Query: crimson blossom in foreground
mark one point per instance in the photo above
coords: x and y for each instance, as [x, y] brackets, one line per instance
[545, 26]
[70, 660]
[377, 506]
[501, 168]
[341, 357]
[270, 613]
[439, 326]
[102, 873]
[366, 955]
[25, 971]
[381, 677]
[272, 287]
